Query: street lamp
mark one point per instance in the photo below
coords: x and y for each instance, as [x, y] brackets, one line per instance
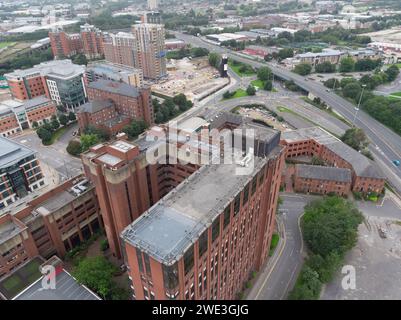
[358, 106]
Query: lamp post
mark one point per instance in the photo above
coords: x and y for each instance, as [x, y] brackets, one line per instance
[358, 106]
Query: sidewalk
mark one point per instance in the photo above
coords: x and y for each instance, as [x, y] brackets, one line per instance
[264, 275]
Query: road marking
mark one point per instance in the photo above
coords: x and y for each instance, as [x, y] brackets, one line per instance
[274, 265]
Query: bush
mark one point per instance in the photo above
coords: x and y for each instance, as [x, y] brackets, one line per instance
[96, 273]
[74, 148]
[329, 228]
[251, 91]
[303, 69]
[104, 245]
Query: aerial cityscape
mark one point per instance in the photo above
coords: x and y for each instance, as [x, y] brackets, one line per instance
[200, 150]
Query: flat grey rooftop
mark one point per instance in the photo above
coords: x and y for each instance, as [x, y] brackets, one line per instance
[323, 173]
[35, 102]
[11, 152]
[61, 199]
[8, 230]
[66, 289]
[167, 229]
[95, 106]
[115, 87]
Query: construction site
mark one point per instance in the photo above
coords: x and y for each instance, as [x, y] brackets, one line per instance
[193, 77]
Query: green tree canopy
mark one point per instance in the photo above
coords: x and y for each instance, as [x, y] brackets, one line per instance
[264, 73]
[89, 140]
[355, 138]
[347, 64]
[97, 274]
[303, 69]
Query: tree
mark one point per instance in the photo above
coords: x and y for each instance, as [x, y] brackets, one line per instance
[345, 81]
[74, 148]
[227, 94]
[71, 116]
[35, 124]
[55, 124]
[352, 90]
[45, 135]
[308, 285]
[63, 119]
[251, 91]
[303, 69]
[268, 85]
[332, 83]
[102, 134]
[330, 225]
[355, 138]
[392, 73]
[285, 53]
[88, 140]
[97, 274]
[325, 67]
[264, 73]
[214, 60]
[366, 64]
[135, 128]
[347, 64]
[159, 117]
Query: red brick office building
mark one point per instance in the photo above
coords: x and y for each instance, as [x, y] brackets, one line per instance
[51, 224]
[112, 105]
[88, 42]
[316, 142]
[322, 180]
[200, 241]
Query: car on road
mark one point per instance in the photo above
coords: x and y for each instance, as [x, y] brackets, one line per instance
[396, 163]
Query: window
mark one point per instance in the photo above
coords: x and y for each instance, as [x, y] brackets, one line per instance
[227, 213]
[139, 257]
[189, 259]
[216, 228]
[237, 202]
[170, 276]
[254, 183]
[246, 193]
[147, 264]
[203, 242]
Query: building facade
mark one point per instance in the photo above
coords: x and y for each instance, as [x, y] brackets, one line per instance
[59, 80]
[129, 101]
[116, 72]
[88, 42]
[149, 50]
[16, 115]
[322, 180]
[92, 41]
[316, 142]
[20, 172]
[65, 45]
[120, 48]
[50, 224]
[202, 241]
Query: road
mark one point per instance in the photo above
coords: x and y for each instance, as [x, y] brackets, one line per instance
[385, 144]
[55, 156]
[275, 283]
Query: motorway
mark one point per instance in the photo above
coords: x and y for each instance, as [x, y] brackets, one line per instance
[385, 144]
